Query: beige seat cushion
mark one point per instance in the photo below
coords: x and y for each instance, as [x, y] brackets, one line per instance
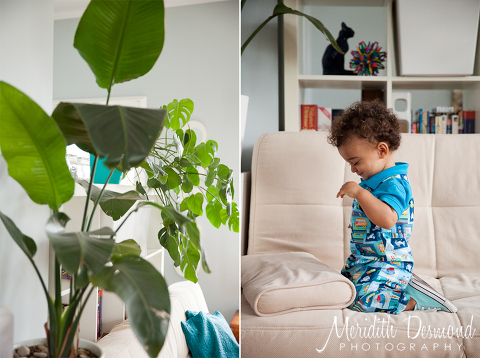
[293, 281]
[300, 334]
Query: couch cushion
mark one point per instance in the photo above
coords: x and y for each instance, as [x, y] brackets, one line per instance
[293, 281]
[300, 334]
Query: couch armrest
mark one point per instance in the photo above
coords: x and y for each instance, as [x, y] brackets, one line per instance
[245, 210]
[122, 343]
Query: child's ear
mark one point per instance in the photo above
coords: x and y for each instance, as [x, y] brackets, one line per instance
[383, 149]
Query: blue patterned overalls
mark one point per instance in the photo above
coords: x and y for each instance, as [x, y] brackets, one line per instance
[381, 262]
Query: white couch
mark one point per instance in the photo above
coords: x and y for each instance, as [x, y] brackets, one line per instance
[122, 343]
[293, 208]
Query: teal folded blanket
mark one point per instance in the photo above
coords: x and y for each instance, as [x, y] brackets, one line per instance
[209, 336]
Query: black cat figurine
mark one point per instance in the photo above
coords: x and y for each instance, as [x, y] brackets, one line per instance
[333, 62]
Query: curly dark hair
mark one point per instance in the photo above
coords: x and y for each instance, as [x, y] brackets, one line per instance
[369, 120]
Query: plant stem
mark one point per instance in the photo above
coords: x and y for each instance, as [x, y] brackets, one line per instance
[89, 192]
[98, 199]
[58, 294]
[53, 318]
[255, 32]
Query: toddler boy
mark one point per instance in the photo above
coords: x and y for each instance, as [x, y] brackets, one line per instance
[380, 264]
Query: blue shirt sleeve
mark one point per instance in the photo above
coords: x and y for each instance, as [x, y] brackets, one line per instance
[395, 194]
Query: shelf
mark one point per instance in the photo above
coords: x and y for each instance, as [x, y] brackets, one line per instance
[341, 82]
[303, 54]
[434, 82]
[153, 252]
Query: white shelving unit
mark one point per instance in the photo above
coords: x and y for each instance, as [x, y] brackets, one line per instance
[142, 226]
[298, 82]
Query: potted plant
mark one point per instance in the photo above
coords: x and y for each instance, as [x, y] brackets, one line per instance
[109, 37]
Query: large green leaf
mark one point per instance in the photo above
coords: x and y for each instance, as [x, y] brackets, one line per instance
[146, 298]
[282, 9]
[126, 247]
[213, 213]
[195, 203]
[112, 203]
[73, 249]
[34, 149]
[181, 220]
[124, 135]
[26, 243]
[190, 255]
[120, 40]
[168, 239]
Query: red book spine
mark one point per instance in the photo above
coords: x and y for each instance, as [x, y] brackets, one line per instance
[309, 116]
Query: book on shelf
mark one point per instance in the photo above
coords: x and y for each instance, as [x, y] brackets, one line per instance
[309, 117]
[99, 313]
[422, 121]
[318, 118]
[324, 119]
[443, 109]
[460, 122]
[449, 125]
[455, 124]
[469, 121]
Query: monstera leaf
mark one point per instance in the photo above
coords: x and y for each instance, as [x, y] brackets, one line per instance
[124, 135]
[34, 149]
[120, 40]
[179, 113]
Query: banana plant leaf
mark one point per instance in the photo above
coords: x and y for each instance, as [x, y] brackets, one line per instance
[112, 203]
[145, 293]
[73, 249]
[126, 247]
[120, 40]
[124, 135]
[282, 9]
[34, 149]
[25, 243]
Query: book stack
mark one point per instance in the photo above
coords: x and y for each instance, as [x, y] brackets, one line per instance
[318, 118]
[443, 120]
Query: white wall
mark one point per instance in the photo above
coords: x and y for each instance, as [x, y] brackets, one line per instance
[200, 61]
[259, 75]
[26, 58]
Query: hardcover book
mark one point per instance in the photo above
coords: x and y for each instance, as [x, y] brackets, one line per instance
[469, 121]
[324, 119]
[309, 117]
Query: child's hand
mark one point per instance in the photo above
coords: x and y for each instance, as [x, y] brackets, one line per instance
[350, 188]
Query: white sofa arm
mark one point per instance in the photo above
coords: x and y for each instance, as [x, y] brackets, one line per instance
[6, 332]
[122, 343]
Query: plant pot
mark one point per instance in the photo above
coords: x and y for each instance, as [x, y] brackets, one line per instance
[92, 347]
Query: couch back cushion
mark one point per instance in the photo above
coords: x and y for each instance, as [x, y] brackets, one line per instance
[296, 176]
